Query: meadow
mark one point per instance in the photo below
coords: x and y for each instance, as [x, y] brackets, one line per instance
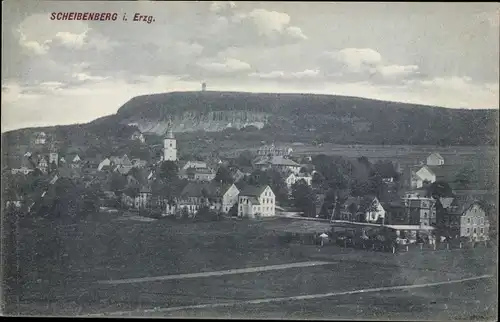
[62, 268]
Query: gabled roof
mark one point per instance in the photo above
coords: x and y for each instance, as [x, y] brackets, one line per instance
[445, 172]
[446, 202]
[194, 164]
[199, 189]
[254, 200]
[196, 190]
[123, 169]
[436, 155]
[279, 160]
[460, 205]
[253, 191]
[359, 204]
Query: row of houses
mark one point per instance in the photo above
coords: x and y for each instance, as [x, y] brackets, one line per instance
[250, 201]
[453, 217]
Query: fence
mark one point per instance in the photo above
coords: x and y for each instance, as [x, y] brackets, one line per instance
[389, 246]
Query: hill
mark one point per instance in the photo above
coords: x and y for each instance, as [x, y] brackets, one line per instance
[300, 117]
[308, 118]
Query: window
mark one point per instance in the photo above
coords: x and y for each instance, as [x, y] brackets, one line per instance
[482, 221]
[475, 230]
[425, 215]
[468, 230]
[468, 220]
[482, 230]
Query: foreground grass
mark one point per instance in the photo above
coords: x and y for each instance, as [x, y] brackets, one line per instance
[470, 301]
[61, 263]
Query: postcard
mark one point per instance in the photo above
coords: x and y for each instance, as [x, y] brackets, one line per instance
[263, 160]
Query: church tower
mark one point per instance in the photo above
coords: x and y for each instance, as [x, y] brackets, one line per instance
[169, 147]
[53, 156]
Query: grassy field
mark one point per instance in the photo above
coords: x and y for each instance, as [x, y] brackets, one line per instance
[64, 280]
[471, 301]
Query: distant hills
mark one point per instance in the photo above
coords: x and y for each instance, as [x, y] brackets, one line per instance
[308, 118]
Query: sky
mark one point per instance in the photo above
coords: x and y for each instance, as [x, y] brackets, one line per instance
[63, 72]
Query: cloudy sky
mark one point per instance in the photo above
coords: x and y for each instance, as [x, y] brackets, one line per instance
[61, 72]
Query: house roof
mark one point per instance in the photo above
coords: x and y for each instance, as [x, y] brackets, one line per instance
[277, 160]
[203, 171]
[169, 135]
[446, 202]
[194, 164]
[196, 190]
[254, 200]
[436, 155]
[460, 205]
[199, 189]
[445, 172]
[359, 204]
[253, 191]
[123, 169]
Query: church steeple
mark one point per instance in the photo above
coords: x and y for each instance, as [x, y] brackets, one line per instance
[169, 147]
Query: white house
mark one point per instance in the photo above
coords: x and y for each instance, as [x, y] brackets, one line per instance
[76, 159]
[435, 159]
[293, 178]
[41, 138]
[229, 197]
[104, 163]
[23, 170]
[279, 163]
[195, 165]
[419, 177]
[363, 209]
[43, 164]
[143, 199]
[254, 201]
[374, 212]
[273, 150]
[467, 218]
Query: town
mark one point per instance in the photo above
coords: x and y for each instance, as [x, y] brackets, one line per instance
[424, 201]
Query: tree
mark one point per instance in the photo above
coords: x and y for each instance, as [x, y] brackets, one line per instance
[168, 170]
[386, 169]
[317, 180]
[223, 176]
[272, 178]
[465, 177]
[244, 159]
[118, 182]
[439, 189]
[304, 198]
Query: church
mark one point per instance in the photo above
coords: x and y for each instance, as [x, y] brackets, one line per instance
[169, 147]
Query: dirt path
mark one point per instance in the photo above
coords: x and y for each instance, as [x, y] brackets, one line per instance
[217, 273]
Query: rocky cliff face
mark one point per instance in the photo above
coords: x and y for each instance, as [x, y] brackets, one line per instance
[309, 117]
[190, 121]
